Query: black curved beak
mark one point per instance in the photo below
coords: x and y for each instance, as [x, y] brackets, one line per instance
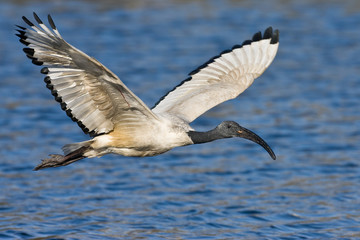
[247, 134]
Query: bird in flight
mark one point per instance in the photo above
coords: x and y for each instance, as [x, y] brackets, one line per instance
[117, 120]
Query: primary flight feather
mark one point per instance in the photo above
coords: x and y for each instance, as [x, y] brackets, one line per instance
[117, 120]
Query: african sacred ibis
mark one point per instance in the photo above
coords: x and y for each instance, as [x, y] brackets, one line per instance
[118, 121]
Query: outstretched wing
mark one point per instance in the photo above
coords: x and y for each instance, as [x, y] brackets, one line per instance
[222, 78]
[90, 94]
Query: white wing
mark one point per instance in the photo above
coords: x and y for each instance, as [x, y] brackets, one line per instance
[90, 94]
[222, 78]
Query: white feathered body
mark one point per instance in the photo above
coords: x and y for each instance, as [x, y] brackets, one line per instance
[116, 118]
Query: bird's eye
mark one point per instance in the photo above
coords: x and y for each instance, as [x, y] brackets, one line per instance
[228, 126]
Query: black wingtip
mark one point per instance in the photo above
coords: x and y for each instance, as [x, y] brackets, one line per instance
[19, 35]
[236, 46]
[51, 22]
[36, 62]
[22, 28]
[24, 42]
[21, 31]
[63, 105]
[27, 21]
[268, 33]
[193, 72]
[44, 70]
[246, 42]
[38, 20]
[22, 36]
[47, 80]
[29, 51]
[257, 37]
[275, 37]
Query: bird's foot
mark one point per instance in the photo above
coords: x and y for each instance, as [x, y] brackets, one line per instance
[55, 160]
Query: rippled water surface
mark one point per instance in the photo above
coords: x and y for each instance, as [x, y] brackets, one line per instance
[306, 106]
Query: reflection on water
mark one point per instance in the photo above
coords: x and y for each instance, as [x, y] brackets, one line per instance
[305, 106]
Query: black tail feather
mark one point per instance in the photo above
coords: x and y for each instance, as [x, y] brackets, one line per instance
[57, 160]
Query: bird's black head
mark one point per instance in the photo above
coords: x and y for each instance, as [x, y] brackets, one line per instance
[228, 129]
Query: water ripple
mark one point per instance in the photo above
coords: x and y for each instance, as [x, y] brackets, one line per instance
[305, 106]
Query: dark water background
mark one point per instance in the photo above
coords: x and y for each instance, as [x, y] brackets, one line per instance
[306, 105]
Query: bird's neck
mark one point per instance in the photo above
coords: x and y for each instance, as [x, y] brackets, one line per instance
[204, 137]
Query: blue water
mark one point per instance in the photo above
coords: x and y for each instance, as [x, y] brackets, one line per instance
[306, 106]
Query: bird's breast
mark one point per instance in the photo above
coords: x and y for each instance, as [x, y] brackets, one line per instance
[141, 141]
